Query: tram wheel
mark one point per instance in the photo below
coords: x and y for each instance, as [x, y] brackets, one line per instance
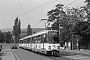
[54, 53]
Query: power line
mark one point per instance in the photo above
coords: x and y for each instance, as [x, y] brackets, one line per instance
[33, 8]
[64, 7]
[44, 5]
[23, 9]
[70, 3]
[39, 6]
[38, 23]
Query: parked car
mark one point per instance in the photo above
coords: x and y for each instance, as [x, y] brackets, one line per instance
[14, 47]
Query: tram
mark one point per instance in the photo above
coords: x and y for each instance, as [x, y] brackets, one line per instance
[45, 42]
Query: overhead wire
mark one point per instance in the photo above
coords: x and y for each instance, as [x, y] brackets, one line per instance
[46, 3]
[23, 9]
[38, 23]
[38, 7]
[64, 7]
[70, 3]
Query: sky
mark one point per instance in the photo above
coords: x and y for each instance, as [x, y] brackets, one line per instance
[10, 9]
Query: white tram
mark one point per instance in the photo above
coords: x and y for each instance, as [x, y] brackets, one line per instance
[45, 41]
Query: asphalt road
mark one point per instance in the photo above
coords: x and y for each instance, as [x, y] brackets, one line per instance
[28, 55]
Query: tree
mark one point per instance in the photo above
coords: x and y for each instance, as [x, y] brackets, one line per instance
[82, 27]
[75, 21]
[17, 29]
[69, 20]
[66, 20]
[1, 37]
[58, 16]
[29, 30]
[8, 37]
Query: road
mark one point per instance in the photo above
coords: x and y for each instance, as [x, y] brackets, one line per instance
[28, 55]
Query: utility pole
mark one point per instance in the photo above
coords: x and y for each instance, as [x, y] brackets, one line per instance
[72, 41]
[59, 34]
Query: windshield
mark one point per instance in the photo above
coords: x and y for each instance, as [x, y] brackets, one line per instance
[53, 37]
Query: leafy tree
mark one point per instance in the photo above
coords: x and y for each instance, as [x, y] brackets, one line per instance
[81, 29]
[1, 37]
[8, 37]
[75, 21]
[58, 16]
[55, 26]
[16, 29]
[69, 20]
[29, 30]
[19, 28]
[61, 23]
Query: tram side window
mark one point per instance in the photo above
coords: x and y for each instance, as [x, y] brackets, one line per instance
[39, 39]
[45, 38]
[21, 41]
[35, 39]
[32, 39]
[25, 41]
[28, 40]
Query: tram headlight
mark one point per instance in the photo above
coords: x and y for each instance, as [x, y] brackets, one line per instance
[49, 47]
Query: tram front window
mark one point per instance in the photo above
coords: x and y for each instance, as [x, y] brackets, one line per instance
[53, 37]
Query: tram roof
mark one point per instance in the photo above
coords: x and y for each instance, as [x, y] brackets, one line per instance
[38, 33]
[43, 32]
[26, 37]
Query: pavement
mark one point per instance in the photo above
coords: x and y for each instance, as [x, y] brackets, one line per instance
[76, 54]
[81, 52]
[7, 54]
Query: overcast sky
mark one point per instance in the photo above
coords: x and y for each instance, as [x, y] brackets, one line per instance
[10, 9]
